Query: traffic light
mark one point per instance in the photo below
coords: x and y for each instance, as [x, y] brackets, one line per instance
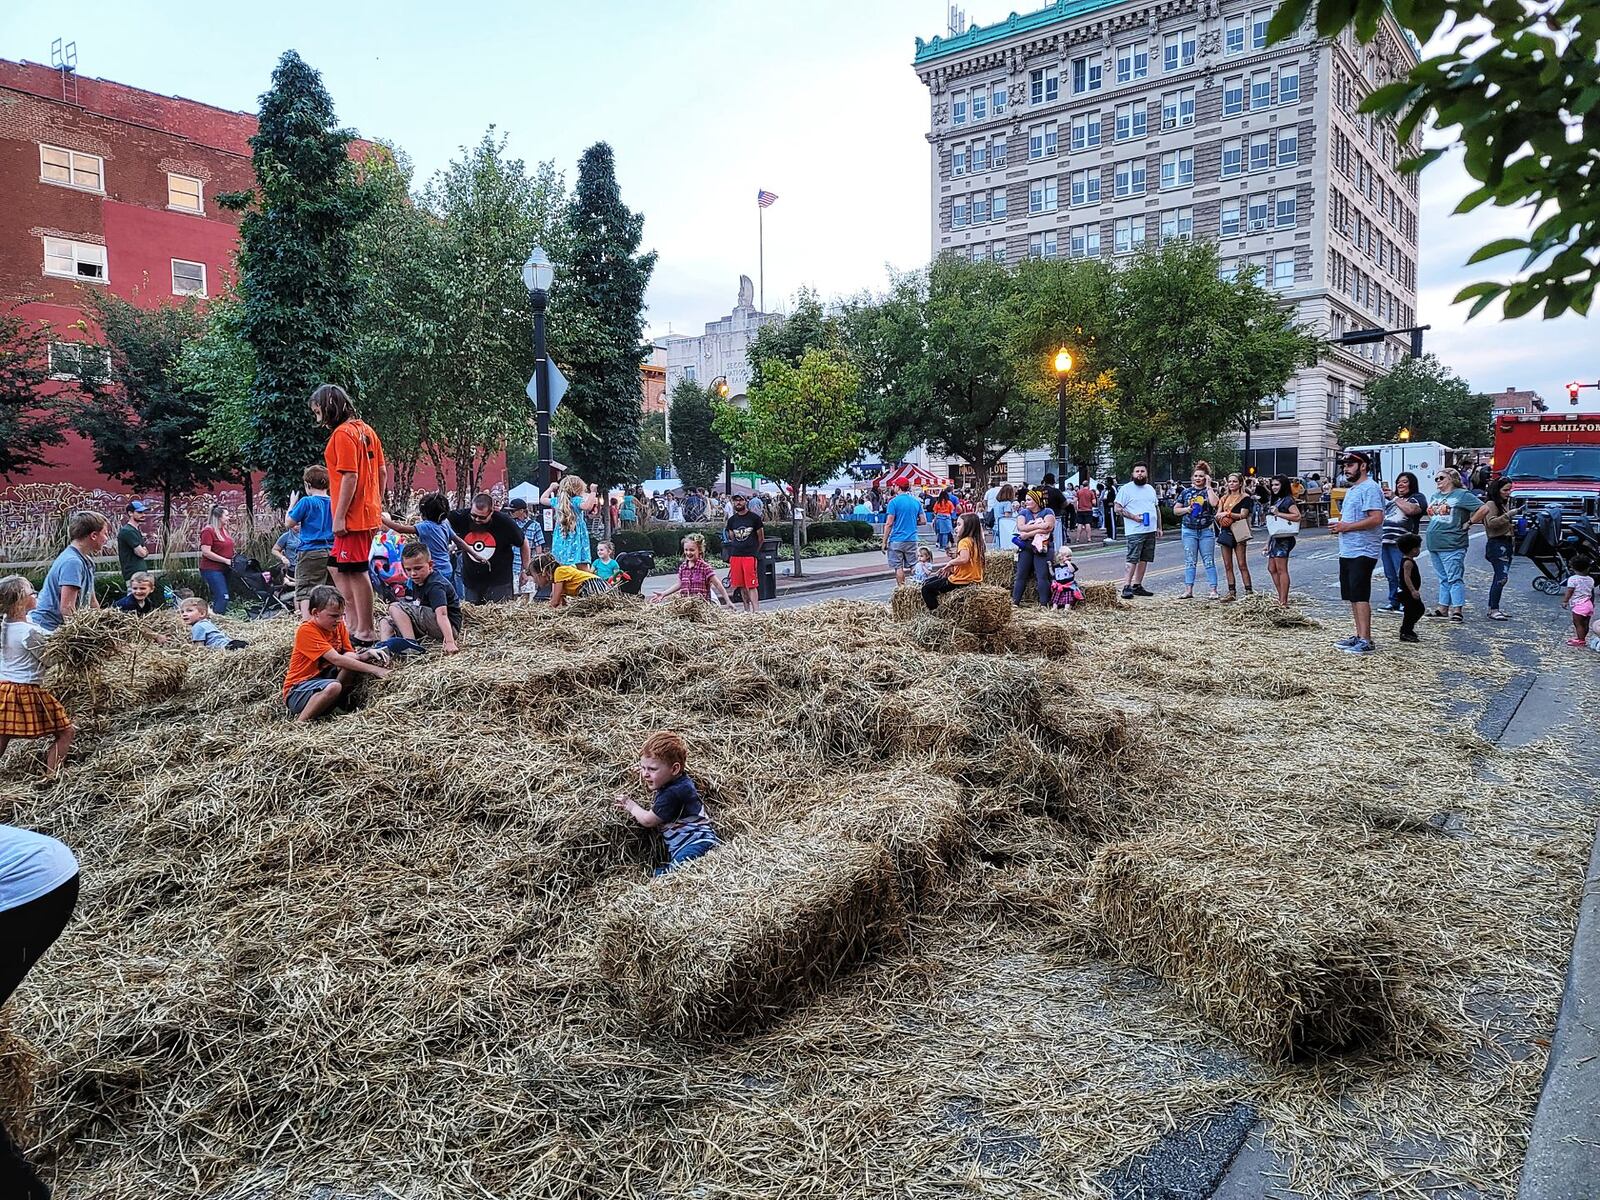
[1416, 343]
[1361, 337]
[1573, 389]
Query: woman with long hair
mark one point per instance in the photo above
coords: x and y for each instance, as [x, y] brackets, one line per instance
[1005, 517]
[216, 558]
[1402, 514]
[1498, 541]
[1283, 523]
[1233, 533]
[573, 503]
[965, 567]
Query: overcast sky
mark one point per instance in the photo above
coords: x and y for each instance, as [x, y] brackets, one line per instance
[704, 102]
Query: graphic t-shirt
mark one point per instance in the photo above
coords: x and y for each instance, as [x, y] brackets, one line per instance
[310, 644]
[1192, 506]
[497, 538]
[1448, 530]
[742, 537]
[354, 449]
[1361, 499]
[314, 515]
[903, 513]
[1141, 501]
[434, 593]
[130, 539]
[1582, 588]
[1395, 521]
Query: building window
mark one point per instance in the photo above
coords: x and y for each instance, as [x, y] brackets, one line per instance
[980, 252]
[1169, 169]
[980, 208]
[69, 168]
[1261, 90]
[980, 157]
[1042, 245]
[1128, 234]
[188, 278]
[1086, 241]
[980, 104]
[1177, 108]
[1086, 186]
[958, 160]
[1042, 141]
[1285, 208]
[1043, 85]
[184, 193]
[74, 260]
[1086, 74]
[958, 108]
[1283, 271]
[1177, 223]
[1233, 96]
[1234, 38]
[1260, 151]
[79, 360]
[1288, 147]
[998, 208]
[1258, 28]
[1133, 62]
[1227, 270]
[1232, 158]
[1042, 196]
[1132, 121]
[1086, 131]
[960, 214]
[1289, 83]
[1230, 218]
[1178, 50]
[997, 152]
[1130, 177]
[997, 252]
[1256, 213]
[998, 98]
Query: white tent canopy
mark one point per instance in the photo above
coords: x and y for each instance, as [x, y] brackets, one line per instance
[524, 491]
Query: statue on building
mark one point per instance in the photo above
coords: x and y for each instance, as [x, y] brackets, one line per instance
[747, 292]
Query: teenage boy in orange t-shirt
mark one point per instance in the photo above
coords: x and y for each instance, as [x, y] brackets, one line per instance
[323, 666]
[355, 473]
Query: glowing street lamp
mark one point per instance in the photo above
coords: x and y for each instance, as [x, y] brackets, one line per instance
[1063, 368]
[1405, 434]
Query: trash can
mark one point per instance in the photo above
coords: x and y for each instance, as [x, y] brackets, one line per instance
[767, 570]
[635, 564]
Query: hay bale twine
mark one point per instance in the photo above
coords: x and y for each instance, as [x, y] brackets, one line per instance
[979, 609]
[906, 603]
[1288, 960]
[1000, 569]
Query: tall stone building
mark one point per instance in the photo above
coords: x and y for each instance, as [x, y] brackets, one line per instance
[1094, 127]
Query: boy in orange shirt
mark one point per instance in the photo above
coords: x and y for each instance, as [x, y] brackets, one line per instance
[323, 666]
[355, 471]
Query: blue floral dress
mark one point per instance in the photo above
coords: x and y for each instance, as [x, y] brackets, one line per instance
[571, 549]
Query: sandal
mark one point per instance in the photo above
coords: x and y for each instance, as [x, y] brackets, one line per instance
[1231, 596]
[1440, 613]
[1496, 615]
[1458, 618]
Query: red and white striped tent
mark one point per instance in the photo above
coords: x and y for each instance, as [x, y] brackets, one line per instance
[917, 477]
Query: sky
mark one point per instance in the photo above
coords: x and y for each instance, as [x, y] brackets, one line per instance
[704, 103]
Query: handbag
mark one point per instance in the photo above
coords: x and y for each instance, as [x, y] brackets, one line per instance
[1281, 527]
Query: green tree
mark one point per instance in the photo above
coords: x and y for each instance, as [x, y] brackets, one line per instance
[1519, 85]
[803, 424]
[297, 279]
[654, 453]
[806, 327]
[884, 337]
[1426, 397]
[31, 416]
[599, 292]
[698, 451]
[142, 421]
[1192, 353]
[220, 365]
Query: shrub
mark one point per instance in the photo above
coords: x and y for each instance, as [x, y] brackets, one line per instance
[631, 539]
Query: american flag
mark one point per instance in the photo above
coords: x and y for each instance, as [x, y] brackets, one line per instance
[765, 198]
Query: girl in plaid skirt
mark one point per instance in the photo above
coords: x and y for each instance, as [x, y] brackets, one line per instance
[26, 709]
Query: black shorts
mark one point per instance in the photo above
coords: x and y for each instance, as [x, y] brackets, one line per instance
[1355, 579]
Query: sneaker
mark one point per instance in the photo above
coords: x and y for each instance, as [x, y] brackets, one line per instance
[1140, 591]
[1576, 642]
[1391, 608]
[1409, 637]
[1108, 541]
[1127, 593]
[1346, 643]
[1359, 646]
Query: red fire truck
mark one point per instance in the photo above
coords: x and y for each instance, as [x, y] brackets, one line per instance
[1551, 458]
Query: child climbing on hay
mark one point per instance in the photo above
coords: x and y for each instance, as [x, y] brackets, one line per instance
[27, 710]
[696, 577]
[566, 582]
[196, 614]
[323, 666]
[676, 809]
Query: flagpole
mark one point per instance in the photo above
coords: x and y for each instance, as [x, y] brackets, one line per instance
[761, 252]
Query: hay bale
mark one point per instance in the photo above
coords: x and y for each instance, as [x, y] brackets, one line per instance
[980, 609]
[1000, 569]
[1259, 611]
[1042, 633]
[1289, 962]
[906, 604]
[103, 659]
[18, 1062]
[1102, 595]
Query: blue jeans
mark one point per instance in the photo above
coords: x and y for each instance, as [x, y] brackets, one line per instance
[217, 584]
[1032, 565]
[1497, 553]
[942, 531]
[1450, 566]
[1392, 558]
[1201, 543]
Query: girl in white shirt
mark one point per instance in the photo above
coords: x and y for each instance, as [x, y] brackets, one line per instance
[1579, 599]
[27, 710]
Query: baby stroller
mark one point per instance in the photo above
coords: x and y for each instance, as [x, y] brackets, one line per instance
[1550, 539]
[265, 593]
[635, 564]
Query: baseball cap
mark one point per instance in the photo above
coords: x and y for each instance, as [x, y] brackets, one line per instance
[1354, 456]
[138, 506]
[519, 505]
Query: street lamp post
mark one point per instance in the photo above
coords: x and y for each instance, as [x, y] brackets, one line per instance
[1063, 366]
[537, 276]
[719, 388]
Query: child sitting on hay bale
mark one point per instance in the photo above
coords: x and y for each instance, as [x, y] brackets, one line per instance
[196, 614]
[323, 666]
[141, 599]
[27, 710]
[676, 810]
[430, 612]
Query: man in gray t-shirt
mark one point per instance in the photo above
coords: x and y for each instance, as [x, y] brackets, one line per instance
[1360, 543]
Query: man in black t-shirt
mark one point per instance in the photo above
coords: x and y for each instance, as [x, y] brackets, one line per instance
[132, 548]
[491, 537]
[741, 542]
[1056, 501]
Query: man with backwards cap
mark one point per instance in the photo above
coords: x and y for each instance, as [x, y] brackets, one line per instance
[132, 548]
[1360, 544]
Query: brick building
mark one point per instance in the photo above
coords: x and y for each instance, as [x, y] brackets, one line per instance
[653, 382]
[1515, 402]
[1091, 128]
[108, 186]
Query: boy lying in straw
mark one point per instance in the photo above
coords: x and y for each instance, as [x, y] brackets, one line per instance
[676, 809]
[323, 666]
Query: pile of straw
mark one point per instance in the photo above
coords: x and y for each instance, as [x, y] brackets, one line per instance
[103, 660]
[1290, 963]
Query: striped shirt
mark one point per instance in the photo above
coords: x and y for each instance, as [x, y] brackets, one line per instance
[684, 824]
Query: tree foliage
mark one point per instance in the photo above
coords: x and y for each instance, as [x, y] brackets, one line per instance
[806, 327]
[31, 419]
[1519, 85]
[220, 365]
[884, 338]
[599, 294]
[698, 451]
[297, 280]
[1426, 397]
[803, 424]
[654, 453]
[142, 421]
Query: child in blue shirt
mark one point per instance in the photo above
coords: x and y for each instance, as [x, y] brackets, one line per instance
[605, 565]
[432, 532]
[312, 516]
[196, 614]
[676, 809]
